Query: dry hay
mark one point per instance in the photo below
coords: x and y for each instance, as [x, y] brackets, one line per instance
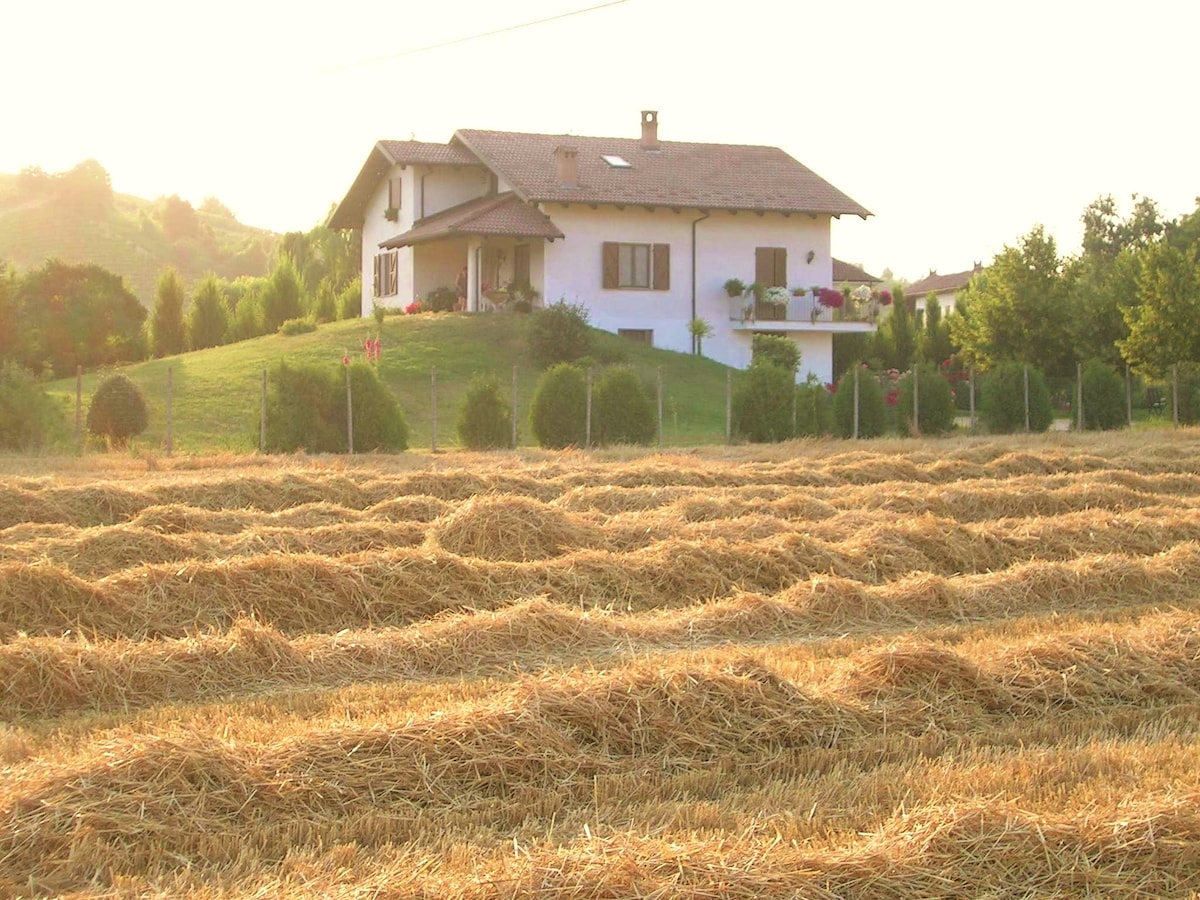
[416, 508]
[612, 499]
[517, 529]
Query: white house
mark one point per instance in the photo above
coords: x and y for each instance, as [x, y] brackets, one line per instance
[643, 233]
[944, 288]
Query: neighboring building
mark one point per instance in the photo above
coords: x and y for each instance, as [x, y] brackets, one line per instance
[849, 275]
[946, 288]
[643, 233]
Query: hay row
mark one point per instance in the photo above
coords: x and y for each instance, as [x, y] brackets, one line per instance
[139, 799]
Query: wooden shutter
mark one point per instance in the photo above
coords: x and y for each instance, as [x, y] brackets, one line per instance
[770, 266]
[376, 286]
[610, 264]
[780, 279]
[393, 272]
[662, 267]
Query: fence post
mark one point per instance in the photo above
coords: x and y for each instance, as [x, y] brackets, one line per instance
[1079, 396]
[433, 407]
[349, 415]
[854, 429]
[170, 423]
[1128, 396]
[971, 376]
[728, 407]
[262, 416]
[1175, 393]
[514, 409]
[587, 434]
[79, 409]
[659, 391]
[795, 411]
[916, 400]
[1026, 398]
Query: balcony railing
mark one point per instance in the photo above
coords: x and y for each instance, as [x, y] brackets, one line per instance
[805, 309]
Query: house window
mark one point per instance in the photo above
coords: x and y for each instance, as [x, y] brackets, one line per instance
[640, 335]
[387, 272]
[644, 266]
[770, 266]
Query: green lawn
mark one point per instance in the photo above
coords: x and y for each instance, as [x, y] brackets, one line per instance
[216, 393]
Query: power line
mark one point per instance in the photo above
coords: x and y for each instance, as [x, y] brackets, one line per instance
[483, 34]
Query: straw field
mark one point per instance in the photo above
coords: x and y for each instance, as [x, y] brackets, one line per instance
[894, 669]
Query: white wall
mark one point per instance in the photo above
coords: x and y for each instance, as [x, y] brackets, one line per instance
[725, 248]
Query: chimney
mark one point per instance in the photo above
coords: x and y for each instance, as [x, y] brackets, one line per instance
[649, 129]
[567, 162]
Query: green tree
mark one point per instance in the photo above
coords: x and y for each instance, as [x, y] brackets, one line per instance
[282, 297]
[762, 403]
[86, 190]
[179, 219]
[29, 417]
[558, 334]
[208, 319]
[777, 350]
[117, 411]
[896, 338]
[1002, 399]
[167, 333]
[1164, 327]
[558, 416]
[621, 409]
[8, 312]
[935, 344]
[872, 417]
[485, 418]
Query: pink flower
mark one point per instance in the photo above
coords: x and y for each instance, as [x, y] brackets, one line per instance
[885, 297]
[830, 298]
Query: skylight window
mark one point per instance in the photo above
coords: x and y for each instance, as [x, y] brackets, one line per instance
[617, 162]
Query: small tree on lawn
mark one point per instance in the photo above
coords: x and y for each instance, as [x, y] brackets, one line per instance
[117, 411]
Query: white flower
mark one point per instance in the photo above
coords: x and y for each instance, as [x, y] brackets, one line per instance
[778, 295]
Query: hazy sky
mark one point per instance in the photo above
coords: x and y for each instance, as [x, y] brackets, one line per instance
[960, 125]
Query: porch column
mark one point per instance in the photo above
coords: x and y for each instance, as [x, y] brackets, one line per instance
[474, 273]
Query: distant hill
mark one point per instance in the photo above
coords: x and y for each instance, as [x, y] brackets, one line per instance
[41, 216]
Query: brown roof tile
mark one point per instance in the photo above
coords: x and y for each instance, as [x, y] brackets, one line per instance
[498, 214]
[705, 176]
[936, 284]
[844, 271]
[424, 153]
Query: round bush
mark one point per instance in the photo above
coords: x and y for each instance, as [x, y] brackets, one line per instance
[1104, 406]
[306, 409]
[1002, 400]
[118, 411]
[814, 409]
[777, 350]
[485, 418]
[621, 409]
[558, 416]
[935, 400]
[871, 406]
[379, 423]
[29, 418]
[558, 334]
[762, 403]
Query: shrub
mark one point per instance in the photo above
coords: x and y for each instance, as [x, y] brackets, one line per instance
[621, 409]
[442, 299]
[936, 401]
[298, 326]
[1104, 405]
[871, 406]
[29, 418]
[1002, 400]
[485, 418]
[117, 411]
[558, 416]
[777, 350]
[558, 334]
[762, 403]
[306, 409]
[349, 301]
[814, 409]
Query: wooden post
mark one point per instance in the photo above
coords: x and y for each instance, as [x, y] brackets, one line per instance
[1175, 394]
[262, 416]
[514, 409]
[587, 430]
[1128, 396]
[1027, 398]
[79, 409]
[659, 391]
[170, 422]
[857, 369]
[971, 377]
[728, 407]
[1079, 396]
[916, 401]
[795, 411]
[433, 407]
[349, 415]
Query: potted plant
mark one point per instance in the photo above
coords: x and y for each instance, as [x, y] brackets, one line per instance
[735, 287]
[392, 213]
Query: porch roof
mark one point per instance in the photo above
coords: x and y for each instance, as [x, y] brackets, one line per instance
[503, 215]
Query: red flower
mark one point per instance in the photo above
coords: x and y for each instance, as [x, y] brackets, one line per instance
[885, 297]
[893, 397]
[830, 298]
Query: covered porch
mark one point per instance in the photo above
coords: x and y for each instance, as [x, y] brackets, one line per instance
[488, 253]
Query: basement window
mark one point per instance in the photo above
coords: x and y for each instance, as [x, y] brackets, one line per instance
[616, 162]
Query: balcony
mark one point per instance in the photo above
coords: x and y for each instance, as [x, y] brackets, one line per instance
[802, 313]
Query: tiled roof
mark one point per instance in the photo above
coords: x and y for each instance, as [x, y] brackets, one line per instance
[498, 214]
[704, 176]
[937, 284]
[424, 153]
[844, 271]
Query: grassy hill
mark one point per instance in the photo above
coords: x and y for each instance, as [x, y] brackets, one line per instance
[216, 392]
[127, 238]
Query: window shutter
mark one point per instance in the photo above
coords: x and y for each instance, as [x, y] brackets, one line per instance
[764, 265]
[662, 267]
[393, 265]
[610, 265]
[376, 284]
[780, 279]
